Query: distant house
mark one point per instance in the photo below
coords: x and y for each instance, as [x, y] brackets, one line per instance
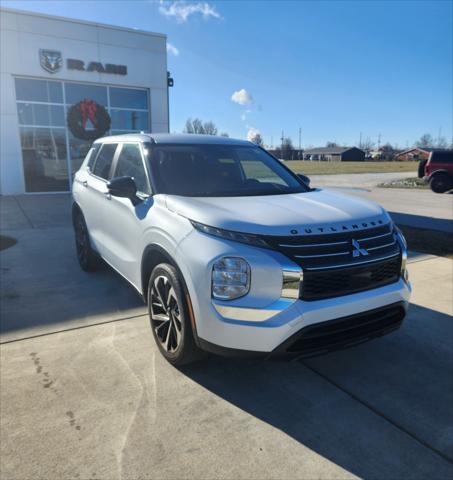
[288, 154]
[335, 154]
[415, 153]
[386, 152]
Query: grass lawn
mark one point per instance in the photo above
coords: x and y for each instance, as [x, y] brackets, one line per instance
[325, 168]
[412, 182]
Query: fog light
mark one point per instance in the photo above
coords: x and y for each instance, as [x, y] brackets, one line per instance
[230, 278]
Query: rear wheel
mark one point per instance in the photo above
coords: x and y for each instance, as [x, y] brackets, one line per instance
[169, 316]
[441, 183]
[421, 168]
[88, 260]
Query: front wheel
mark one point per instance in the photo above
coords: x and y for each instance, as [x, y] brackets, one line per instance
[441, 183]
[169, 316]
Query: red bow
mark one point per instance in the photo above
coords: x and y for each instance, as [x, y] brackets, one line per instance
[88, 110]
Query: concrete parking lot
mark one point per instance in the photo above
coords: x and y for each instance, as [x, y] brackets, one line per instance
[412, 207]
[86, 395]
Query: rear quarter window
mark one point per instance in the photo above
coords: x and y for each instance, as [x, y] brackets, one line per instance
[442, 157]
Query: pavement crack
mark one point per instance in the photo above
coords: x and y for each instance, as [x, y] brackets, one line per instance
[133, 317]
[23, 212]
[379, 413]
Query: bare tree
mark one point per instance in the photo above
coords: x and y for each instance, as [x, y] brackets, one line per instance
[285, 150]
[387, 152]
[367, 145]
[387, 147]
[197, 126]
[331, 144]
[210, 128]
[257, 138]
[425, 140]
[441, 142]
[224, 134]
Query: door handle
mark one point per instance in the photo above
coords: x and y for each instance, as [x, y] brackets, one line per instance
[107, 196]
[85, 183]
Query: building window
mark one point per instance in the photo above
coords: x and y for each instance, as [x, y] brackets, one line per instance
[50, 152]
[129, 120]
[45, 159]
[76, 92]
[39, 90]
[40, 114]
[128, 98]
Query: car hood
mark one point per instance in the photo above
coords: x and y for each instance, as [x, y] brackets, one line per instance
[318, 211]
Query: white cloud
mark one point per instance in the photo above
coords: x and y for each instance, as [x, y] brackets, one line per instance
[172, 49]
[243, 116]
[252, 133]
[242, 97]
[182, 10]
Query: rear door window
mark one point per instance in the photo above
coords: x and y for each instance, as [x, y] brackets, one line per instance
[104, 161]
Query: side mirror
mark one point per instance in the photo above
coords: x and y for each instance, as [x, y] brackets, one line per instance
[124, 187]
[304, 178]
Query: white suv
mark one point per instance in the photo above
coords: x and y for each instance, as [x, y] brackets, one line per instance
[233, 252]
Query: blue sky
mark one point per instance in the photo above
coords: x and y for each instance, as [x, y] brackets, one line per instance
[333, 68]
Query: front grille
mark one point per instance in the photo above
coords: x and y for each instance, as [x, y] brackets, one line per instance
[344, 332]
[338, 264]
[319, 284]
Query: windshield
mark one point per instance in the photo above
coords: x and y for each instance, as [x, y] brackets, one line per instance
[219, 171]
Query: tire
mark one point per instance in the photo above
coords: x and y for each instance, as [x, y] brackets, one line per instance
[441, 183]
[421, 168]
[169, 316]
[87, 257]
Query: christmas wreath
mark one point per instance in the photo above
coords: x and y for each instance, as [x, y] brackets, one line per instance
[88, 113]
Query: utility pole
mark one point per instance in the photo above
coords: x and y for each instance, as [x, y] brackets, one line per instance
[379, 141]
[283, 137]
[300, 142]
[360, 141]
[272, 142]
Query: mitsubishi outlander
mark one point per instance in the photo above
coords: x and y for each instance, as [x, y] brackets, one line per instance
[234, 253]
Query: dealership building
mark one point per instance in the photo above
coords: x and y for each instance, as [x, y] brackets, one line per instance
[65, 82]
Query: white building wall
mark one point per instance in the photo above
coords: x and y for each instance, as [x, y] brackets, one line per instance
[24, 34]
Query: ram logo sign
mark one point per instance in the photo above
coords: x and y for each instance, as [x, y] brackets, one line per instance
[51, 60]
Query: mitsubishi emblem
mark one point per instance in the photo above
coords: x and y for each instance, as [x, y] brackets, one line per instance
[357, 250]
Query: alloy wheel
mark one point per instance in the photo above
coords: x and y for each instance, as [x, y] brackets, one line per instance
[165, 314]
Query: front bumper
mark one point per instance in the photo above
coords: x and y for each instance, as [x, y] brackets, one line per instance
[325, 337]
[269, 315]
[281, 332]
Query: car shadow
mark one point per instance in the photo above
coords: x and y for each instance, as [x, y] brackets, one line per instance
[43, 289]
[420, 221]
[371, 409]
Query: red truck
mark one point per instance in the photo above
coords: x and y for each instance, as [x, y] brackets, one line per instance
[438, 170]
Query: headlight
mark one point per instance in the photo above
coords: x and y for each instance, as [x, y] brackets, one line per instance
[400, 235]
[230, 278]
[403, 244]
[230, 235]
